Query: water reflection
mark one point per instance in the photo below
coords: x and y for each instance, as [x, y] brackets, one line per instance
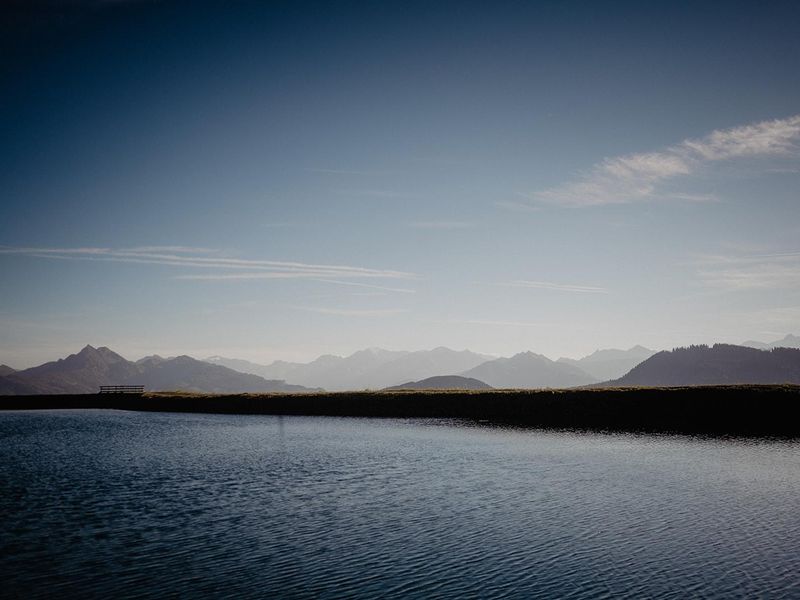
[107, 503]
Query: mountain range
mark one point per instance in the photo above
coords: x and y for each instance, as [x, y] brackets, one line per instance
[372, 368]
[789, 341]
[375, 368]
[608, 364]
[86, 371]
[529, 370]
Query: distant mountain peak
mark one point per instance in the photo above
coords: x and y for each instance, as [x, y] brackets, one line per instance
[610, 363]
[91, 355]
[371, 351]
[528, 354]
[788, 341]
[529, 370]
[153, 358]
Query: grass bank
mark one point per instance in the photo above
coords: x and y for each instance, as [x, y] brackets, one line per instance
[749, 410]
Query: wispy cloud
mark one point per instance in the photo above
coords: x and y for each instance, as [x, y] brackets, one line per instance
[638, 177]
[558, 287]
[441, 224]
[347, 312]
[517, 206]
[783, 317]
[376, 193]
[494, 323]
[176, 249]
[347, 171]
[283, 225]
[750, 272]
[193, 258]
[370, 286]
[249, 276]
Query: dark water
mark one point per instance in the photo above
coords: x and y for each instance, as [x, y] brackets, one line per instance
[104, 503]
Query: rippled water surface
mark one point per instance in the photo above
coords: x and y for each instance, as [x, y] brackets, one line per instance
[106, 503]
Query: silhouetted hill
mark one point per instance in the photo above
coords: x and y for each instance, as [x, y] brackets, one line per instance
[12, 387]
[611, 363]
[788, 341]
[6, 370]
[443, 382]
[90, 368]
[529, 370]
[718, 364]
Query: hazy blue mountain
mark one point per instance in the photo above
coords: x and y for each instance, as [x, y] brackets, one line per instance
[279, 369]
[90, 368]
[343, 373]
[529, 370]
[443, 382]
[6, 370]
[151, 360]
[372, 368]
[611, 363]
[718, 364]
[422, 364]
[788, 341]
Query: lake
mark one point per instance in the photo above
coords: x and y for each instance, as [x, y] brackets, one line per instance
[107, 503]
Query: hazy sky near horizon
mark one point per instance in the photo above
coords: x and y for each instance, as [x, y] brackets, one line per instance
[282, 180]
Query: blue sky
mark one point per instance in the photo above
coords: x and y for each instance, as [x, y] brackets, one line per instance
[267, 180]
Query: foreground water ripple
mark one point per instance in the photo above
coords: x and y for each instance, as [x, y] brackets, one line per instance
[104, 503]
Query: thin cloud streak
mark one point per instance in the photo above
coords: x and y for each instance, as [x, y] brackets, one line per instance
[558, 287]
[441, 225]
[638, 177]
[779, 271]
[348, 172]
[267, 268]
[493, 323]
[517, 206]
[369, 285]
[346, 312]
[174, 249]
[250, 276]
[375, 193]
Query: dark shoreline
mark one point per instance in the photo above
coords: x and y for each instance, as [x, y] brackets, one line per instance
[741, 410]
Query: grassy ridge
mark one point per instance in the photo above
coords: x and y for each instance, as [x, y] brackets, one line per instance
[755, 410]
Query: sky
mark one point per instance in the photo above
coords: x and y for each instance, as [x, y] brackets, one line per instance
[284, 180]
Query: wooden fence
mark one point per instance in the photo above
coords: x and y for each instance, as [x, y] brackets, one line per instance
[122, 389]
